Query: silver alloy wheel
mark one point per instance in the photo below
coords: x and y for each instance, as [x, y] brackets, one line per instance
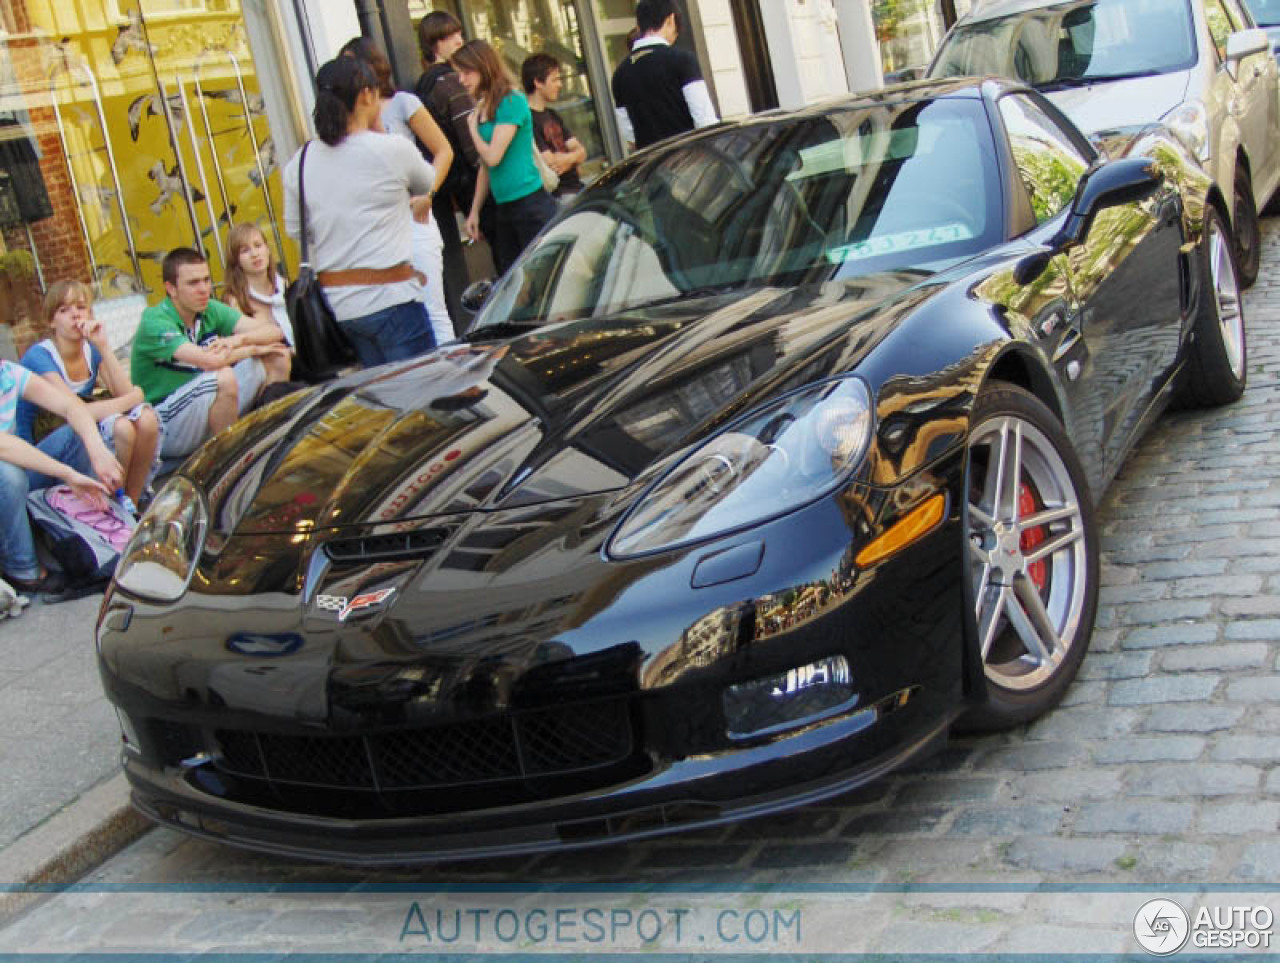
[1027, 553]
[1226, 293]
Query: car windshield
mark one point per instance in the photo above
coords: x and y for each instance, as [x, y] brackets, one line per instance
[1265, 12]
[834, 195]
[1060, 45]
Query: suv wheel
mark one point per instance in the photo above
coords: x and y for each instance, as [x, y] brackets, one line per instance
[1244, 227]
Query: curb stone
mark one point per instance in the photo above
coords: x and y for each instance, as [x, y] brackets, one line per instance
[69, 844]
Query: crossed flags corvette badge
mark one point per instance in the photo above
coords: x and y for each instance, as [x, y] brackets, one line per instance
[345, 606]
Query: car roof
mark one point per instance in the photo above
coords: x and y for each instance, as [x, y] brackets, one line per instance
[958, 88]
[995, 9]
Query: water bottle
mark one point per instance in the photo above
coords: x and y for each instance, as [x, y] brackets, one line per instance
[126, 502]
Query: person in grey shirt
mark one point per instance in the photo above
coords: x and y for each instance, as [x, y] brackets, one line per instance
[363, 192]
[404, 115]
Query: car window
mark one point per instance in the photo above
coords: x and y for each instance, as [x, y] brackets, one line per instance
[1082, 40]
[834, 195]
[1239, 14]
[1266, 13]
[1049, 163]
[1220, 26]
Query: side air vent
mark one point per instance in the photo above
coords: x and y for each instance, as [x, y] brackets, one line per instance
[372, 548]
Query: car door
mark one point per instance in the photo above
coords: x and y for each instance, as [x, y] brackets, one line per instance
[1115, 351]
[1249, 95]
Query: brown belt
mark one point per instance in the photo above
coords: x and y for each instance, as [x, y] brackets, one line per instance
[391, 275]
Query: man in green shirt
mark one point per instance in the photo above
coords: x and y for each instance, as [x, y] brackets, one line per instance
[200, 362]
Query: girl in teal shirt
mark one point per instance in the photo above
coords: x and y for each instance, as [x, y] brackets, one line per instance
[502, 129]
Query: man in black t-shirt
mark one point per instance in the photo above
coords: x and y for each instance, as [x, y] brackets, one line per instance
[658, 91]
[540, 74]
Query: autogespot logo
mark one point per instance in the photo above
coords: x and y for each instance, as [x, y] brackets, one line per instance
[1161, 927]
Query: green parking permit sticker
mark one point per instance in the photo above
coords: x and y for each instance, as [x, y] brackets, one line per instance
[896, 243]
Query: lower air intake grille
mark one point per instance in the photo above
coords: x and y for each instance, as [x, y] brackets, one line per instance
[532, 743]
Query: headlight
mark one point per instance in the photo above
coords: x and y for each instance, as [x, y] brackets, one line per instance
[768, 463]
[1190, 121]
[159, 559]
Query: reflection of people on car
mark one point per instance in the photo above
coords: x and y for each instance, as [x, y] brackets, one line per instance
[456, 384]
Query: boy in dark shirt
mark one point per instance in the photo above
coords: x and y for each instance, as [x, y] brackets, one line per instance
[442, 93]
[658, 90]
[563, 152]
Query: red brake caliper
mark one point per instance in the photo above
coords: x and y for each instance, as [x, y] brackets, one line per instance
[1032, 536]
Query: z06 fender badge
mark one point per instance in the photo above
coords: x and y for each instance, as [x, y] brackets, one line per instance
[345, 606]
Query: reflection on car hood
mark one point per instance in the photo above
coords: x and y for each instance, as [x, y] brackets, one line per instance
[1122, 103]
[567, 409]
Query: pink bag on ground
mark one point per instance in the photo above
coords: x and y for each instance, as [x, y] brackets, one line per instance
[112, 524]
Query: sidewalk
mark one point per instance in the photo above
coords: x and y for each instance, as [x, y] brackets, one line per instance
[61, 740]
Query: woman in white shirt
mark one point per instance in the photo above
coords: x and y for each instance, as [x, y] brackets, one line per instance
[363, 191]
[404, 115]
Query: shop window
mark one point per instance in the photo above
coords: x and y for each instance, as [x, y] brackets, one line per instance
[152, 134]
[909, 32]
[519, 28]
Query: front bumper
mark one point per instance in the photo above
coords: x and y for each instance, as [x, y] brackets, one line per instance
[684, 795]
[898, 625]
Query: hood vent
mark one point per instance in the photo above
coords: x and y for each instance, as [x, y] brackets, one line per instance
[396, 545]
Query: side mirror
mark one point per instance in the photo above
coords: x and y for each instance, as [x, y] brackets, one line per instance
[1108, 185]
[476, 294]
[1246, 43]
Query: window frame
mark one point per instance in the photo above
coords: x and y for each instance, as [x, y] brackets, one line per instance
[1066, 131]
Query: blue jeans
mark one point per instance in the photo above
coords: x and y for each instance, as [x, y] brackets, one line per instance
[62, 445]
[17, 549]
[392, 334]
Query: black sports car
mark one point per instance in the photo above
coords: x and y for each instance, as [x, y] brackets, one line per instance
[773, 458]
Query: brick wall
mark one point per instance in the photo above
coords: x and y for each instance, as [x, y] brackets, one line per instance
[59, 242]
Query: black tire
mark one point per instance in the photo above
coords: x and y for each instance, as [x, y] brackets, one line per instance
[1217, 356]
[1246, 230]
[1013, 564]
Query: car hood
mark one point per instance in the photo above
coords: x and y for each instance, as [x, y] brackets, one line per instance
[561, 411]
[1122, 103]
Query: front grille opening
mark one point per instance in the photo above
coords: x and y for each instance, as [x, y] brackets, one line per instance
[449, 755]
[173, 742]
[372, 548]
[533, 754]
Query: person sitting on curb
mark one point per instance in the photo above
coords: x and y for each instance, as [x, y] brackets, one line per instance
[540, 74]
[24, 467]
[75, 354]
[198, 361]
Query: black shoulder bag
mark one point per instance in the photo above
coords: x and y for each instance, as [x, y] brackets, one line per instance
[322, 349]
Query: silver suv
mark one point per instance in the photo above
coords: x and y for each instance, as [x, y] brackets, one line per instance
[1202, 67]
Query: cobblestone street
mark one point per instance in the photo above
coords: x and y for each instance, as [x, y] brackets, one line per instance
[1161, 767]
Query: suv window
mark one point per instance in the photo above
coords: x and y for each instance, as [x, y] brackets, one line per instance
[1220, 26]
[1082, 40]
[1239, 15]
[1048, 161]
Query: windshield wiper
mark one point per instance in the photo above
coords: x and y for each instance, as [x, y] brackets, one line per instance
[1063, 83]
[706, 291]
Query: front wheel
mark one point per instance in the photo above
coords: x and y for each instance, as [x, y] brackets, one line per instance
[1245, 228]
[1216, 368]
[1032, 555]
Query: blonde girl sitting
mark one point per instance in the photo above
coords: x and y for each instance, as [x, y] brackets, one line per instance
[76, 355]
[253, 283]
